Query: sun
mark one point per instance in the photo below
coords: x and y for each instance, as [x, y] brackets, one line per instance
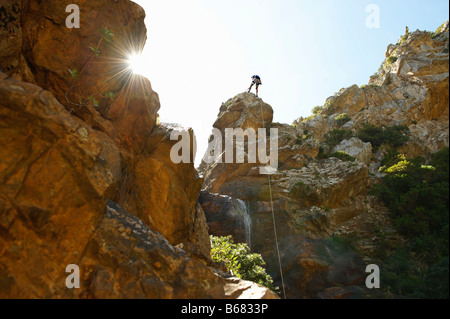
[136, 63]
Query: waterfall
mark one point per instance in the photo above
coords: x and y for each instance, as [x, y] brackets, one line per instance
[242, 211]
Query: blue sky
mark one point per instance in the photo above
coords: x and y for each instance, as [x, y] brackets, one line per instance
[199, 53]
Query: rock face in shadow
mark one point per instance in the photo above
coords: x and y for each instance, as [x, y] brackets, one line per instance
[140, 263]
[12, 59]
[161, 193]
[312, 266]
[79, 141]
[227, 216]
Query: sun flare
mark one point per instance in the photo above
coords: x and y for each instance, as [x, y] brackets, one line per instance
[136, 63]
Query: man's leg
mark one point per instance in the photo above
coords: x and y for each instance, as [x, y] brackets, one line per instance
[250, 88]
[257, 89]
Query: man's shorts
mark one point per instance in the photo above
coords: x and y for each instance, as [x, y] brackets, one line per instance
[257, 81]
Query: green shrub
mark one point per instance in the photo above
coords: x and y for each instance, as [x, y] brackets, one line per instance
[399, 169]
[391, 59]
[392, 158]
[343, 156]
[238, 259]
[323, 152]
[432, 34]
[436, 280]
[403, 275]
[316, 110]
[417, 196]
[394, 136]
[74, 74]
[306, 135]
[371, 133]
[403, 39]
[336, 136]
[329, 107]
[331, 139]
[343, 118]
[440, 29]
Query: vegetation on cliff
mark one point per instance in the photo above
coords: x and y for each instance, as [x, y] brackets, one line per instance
[394, 136]
[238, 259]
[417, 195]
[391, 136]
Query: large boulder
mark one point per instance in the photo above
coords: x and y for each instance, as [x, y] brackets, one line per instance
[312, 266]
[163, 194]
[227, 216]
[356, 148]
[244, 111]
[325, 183]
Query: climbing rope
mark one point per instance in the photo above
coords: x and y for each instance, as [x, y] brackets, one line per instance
[276, 238]
[274, 222]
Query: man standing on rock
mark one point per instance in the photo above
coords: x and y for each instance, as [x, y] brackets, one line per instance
[255, 80]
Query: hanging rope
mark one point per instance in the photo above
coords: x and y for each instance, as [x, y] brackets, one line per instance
[276, 238]
[274, 222]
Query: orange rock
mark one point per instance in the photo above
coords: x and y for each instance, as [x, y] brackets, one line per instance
[161, 193]
[53, 190]
[134, 113]
[52, 49]
[245, 111]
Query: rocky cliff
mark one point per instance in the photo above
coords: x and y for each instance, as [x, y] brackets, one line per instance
[85, 169]
[329, 226]
[87, 179]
